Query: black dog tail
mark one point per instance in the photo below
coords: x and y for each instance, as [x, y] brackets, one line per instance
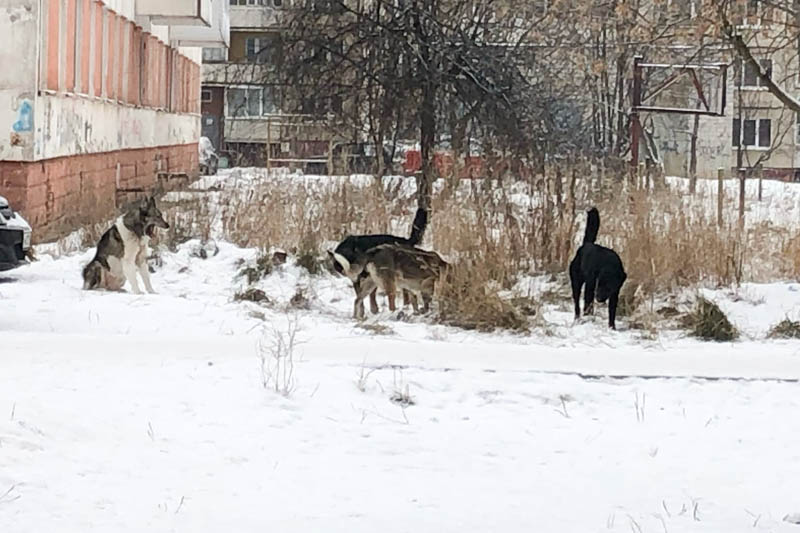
[592, 226]
[418, 227]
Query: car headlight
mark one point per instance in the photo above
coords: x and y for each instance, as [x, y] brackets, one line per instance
[26, 240]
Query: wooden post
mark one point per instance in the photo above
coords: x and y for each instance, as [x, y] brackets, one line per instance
[742, 176]
[269, 144]
[330, 157]
[720, 183]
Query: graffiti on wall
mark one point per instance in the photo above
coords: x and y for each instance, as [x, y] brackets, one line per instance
[24, 121]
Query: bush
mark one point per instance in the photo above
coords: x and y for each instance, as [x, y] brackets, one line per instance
[308, 255]
[468, 300]
[708, 322]
[785, 329]
[262, 268]
[252, 295]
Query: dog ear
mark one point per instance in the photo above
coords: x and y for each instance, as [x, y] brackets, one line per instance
[342, 260]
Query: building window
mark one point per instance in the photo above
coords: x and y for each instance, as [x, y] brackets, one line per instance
[752, 132]
[257, 49]
[327, 6]
[750, 12]
[748, 77]
[682, 8]
[269, 101]
[205, 95]
[252, 102]
[214, 55]
[266, 3]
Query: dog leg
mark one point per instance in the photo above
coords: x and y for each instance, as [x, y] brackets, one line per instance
[576, 296]
[363, 288]
[576, 280]
[129, 270]
[588, 295]
[373, 302]
[426, 301]
[612, 310]
[389, 287]
[358, 304]
[145, 273]
[414, 302]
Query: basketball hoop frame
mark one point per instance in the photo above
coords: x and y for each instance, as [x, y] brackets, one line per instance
[680, 71]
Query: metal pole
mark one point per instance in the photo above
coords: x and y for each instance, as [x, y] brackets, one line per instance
[720, 180]
[637, 101]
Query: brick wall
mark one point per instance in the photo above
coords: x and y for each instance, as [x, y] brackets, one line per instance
[59, 195]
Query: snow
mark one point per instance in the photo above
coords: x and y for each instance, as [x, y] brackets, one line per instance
[149, 413]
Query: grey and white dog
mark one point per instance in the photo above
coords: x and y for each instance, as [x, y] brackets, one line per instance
[122, 250]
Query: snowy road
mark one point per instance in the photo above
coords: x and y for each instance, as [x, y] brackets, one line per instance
[127, 413]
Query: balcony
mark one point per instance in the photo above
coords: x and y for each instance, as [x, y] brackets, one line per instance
[218, 35]
[255, 17]
[236, 73]
[177, 12]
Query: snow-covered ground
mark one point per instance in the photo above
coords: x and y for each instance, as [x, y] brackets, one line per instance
[150, 413]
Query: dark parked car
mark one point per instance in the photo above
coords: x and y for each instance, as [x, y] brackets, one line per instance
[15, 237]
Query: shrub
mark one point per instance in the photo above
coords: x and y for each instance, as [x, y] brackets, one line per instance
[468, 299]
[261, 269]
[785, 329]
[252, 295]
[308, 254]
[708, 322]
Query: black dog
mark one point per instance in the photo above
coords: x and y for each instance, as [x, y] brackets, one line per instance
[355, 246]
[600, 268]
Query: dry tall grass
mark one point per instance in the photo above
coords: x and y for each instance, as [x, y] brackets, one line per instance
[667, 238]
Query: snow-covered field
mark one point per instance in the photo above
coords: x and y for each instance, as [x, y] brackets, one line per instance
[150, 413]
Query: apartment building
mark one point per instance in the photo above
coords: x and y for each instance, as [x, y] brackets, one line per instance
[244, 107]
[99, 98]
[757, 130]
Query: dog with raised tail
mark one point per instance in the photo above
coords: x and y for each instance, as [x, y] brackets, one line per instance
[122, 250]
[352, 249]
[394, 267]
[599, 269]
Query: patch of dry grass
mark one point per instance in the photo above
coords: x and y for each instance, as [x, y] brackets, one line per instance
[708, 322]
[785, 329]
[666, 238]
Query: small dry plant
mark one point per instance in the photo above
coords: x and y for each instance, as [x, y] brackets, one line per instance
[470, 299]
[252, 295]
[308, 256]
[363, 376]
[258, 270]
[189, 218]
[375, 328]
[401, 392]
[785, 329]
[276, 354]
[707, 321]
